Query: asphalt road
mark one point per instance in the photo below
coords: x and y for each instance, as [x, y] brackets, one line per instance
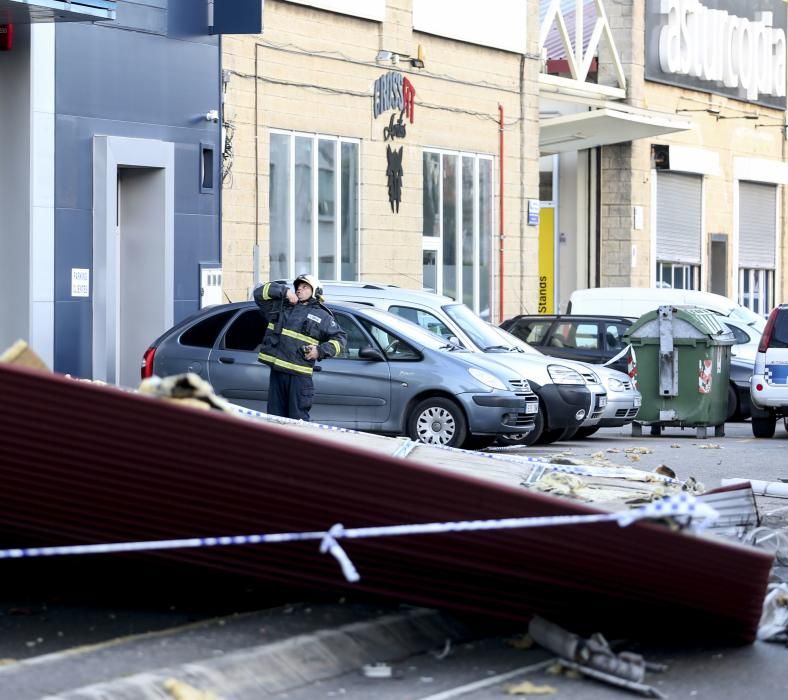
[56, 605]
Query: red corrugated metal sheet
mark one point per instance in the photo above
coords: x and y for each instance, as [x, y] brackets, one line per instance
[84, 463]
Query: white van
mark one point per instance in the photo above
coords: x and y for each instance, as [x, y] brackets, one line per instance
[635, 301]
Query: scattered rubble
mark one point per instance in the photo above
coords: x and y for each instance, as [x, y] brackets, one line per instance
[528, 688]
[592, 657]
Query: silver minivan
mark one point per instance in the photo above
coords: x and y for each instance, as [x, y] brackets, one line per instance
[560, 384]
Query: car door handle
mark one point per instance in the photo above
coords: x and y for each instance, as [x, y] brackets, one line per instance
[227, 360]
[317, 368]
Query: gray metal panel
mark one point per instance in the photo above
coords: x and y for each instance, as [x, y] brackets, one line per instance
[679, 209]
[757, 224]
[155, 77]
[655, 22]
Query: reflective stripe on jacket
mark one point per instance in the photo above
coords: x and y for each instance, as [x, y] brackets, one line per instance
[290, 327]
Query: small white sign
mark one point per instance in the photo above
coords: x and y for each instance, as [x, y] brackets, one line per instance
[80, 282]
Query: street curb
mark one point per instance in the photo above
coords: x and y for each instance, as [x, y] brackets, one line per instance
[284, 665]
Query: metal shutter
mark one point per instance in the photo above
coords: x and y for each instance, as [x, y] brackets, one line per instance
[757, 224]
[679, 217]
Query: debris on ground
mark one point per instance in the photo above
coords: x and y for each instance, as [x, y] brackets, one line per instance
[710, 446]
[665, 470]
[179, 690]
[638, 450]
[188, 389]
[521, 641]
[560, 484]
[528, 688]
[443, 653]
[592, 657]
[675, 445]
[256, 451]
[22, 355]
[377, 670]
[774, 621]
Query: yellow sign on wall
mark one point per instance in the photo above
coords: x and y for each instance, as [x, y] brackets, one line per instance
[546, 303]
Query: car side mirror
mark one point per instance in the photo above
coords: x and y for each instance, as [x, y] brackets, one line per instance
[370, 353]
[454, 339]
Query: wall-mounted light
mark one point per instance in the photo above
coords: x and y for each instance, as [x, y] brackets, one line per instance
[212, 116]
[394, 57]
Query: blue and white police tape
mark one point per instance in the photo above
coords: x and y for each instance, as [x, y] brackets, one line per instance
[538, 465]
[683, 505]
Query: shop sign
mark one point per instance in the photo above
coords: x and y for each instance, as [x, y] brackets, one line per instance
[393, 91]
[735, 48]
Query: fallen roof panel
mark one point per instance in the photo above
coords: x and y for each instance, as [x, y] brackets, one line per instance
[85, 463]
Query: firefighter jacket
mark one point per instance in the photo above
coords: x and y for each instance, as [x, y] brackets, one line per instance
[291, 327]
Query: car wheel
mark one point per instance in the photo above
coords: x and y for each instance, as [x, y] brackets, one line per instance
[550, 436]
[478, 442]
[568, 433]
[527, 439]
[586, 432]
[733, 403]
[438, 421]
[763, 426]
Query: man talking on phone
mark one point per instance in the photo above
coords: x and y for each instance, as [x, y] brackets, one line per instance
[299, 332]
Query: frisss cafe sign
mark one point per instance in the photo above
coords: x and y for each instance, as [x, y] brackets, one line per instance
[735, 48]
[394, 93]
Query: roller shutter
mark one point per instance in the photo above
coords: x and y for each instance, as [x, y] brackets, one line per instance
[679, 217]
[757, 225]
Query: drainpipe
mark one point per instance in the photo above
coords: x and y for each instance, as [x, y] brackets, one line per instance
[256, 248]
[500, 212]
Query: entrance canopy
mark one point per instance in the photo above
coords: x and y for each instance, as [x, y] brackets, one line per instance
[29, 11]
[616, 123]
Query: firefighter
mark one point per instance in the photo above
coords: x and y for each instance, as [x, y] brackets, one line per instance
[299, 332]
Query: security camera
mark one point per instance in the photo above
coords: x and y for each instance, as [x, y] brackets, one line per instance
[212, 116]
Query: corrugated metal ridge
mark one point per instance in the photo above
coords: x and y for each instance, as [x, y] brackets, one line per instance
[88, 463]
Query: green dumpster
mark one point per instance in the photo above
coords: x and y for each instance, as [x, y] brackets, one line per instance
[683, 369]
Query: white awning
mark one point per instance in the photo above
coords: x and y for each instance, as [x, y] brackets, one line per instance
[604, 126]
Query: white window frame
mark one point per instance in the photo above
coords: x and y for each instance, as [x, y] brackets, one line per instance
[338, 141]
[435, 243]
[765, 302]
[690, 273]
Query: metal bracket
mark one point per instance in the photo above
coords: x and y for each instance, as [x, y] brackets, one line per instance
[668, 358]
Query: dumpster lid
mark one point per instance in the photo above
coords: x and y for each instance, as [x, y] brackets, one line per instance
[688, 322]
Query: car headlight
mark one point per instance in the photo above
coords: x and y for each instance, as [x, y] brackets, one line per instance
[615, 384]
[561, 374]
[486, 378]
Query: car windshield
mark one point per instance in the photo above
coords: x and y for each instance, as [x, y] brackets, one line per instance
[409, 331]
[481, 333]
[484, 336]
[742, 313]
[513, 341]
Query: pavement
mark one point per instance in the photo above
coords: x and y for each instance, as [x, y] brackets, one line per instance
[243, 657]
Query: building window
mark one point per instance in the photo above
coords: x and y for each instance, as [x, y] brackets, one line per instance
[458, 225]
[756, 289]
[313, 200]
[678, 275]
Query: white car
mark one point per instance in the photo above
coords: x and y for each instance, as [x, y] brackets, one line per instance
[769, 382]
[455, 321]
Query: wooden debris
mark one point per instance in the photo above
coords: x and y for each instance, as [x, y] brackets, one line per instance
[22, 355]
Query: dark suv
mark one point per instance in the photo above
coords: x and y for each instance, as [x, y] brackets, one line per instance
[594, 339]
[598, 339]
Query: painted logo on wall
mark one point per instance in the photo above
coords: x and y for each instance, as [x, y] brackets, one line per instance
[393, 91]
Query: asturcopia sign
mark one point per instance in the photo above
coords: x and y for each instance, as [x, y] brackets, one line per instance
[735, 48]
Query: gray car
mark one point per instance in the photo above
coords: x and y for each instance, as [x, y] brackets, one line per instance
[395, 378]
